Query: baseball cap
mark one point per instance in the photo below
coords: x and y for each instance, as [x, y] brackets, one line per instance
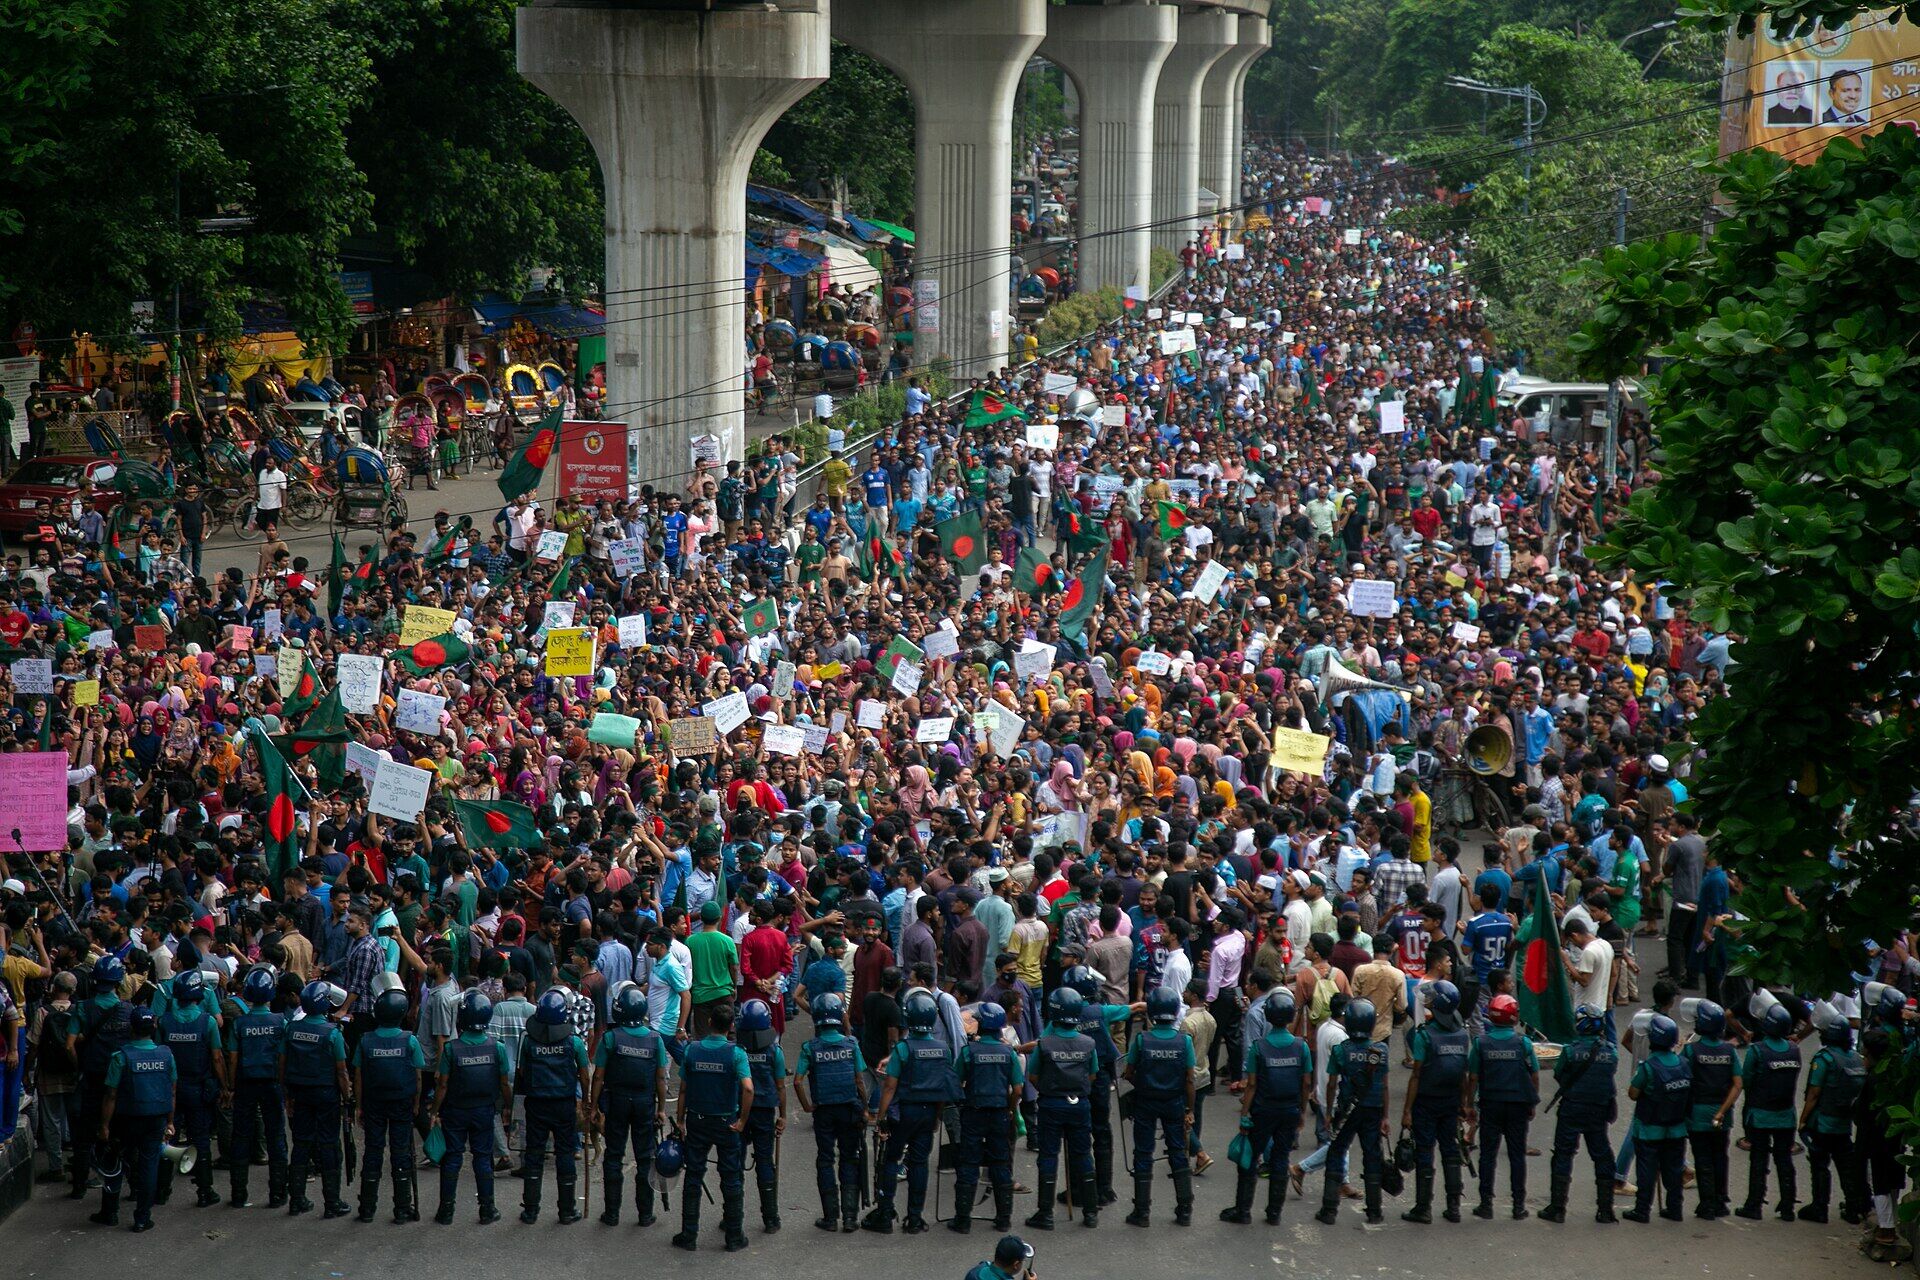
[710, 912]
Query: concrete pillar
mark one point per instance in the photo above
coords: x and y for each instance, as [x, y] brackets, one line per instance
[1114, 55]
[961, 60]
[1205, 34]
[675, 103]
[1223, 109]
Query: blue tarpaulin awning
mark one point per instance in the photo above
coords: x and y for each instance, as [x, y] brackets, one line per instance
[788, 262]
[560, 318]
[792, 206]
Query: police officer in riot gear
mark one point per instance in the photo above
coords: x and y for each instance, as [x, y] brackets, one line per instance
[99, 1029]
[1710, 1067]
[1279, 1074]
[473, 1081]
[193, 1037]
[1502, 1089]
[1587, 1101]
[253, 1065]
[1160, 1065]
[1063, 1066]
[629, 1100]
[386, 1088]
[990, 1084]
[1835, 1080]
[1095, 1020]
[1432, 1107]
[716, 1093]
[1360, 1065]
[829, 1086]
[553, 1075]
[1769, 1077]
[920, 1079]
[1662, 1093]
[768, 1118]
[136, 1109]
[313, 1072]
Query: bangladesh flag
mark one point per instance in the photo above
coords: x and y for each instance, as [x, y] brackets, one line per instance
[1034, 574]
[529, 462]
[562, 584]
[320, 736]
[877, 553]
[898, 650]
[441, 548]
[306, 691]
[987, 408]
[762, 616]
[337, 577]
[963, 541]
[1170, 519]
[1083, 535]
[1083, 597]
[501, 824]
[425, 657]
[1545, 996]
[282, 848]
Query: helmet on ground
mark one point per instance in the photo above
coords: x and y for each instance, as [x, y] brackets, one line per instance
[476, 1011]
[629, 1006]
[669, 1156]
[754, 1030]
[1503, 1011]
[1064, 1006]
[258, 986]
[1837, 1035]
[1777, 1020]
[140, 1022]
[1589, 1021]
[1280, 1008]
[830, 1011]
[920, 1011]
[991, 1019]
[108, 972]
[1084, 980]
[1163, 1007]
[390, 1008]
[551, 1009]
[1443, 997]
[188, 987]
[1359, 1018]
[316, 999]
[1709, 1019]
[1662, 1032]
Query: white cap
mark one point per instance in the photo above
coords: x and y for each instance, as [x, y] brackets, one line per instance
[13, 886]
[1658, 763]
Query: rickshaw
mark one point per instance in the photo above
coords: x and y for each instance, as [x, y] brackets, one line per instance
[553, 379]
[523, 389]
[841, 364]
[134, 480]
[778, 338]
[475, 389]
[365, 497]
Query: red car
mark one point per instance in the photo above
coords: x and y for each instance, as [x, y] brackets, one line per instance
[40, 492]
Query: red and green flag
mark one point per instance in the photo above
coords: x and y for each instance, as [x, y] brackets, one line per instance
[282, 847]
[440, 549]
[435, 653]
[321, 736]
[898, 650]
[528, 465]
[498, 824]
[562, 584]
[987, 408]
[878, 555]
[1034, 573]
[337, 577]
[1170, 519]
[1541, 986]
[964, 542]
[306, 690]
[1082, 597]
[762, 616]
[1082, 535]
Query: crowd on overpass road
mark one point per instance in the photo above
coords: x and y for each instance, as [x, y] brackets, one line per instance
[1148, 749]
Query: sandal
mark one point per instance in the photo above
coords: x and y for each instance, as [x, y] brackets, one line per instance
[1201, 1163]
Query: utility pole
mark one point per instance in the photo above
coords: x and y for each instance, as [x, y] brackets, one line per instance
[1532, 98]
[1616, 402]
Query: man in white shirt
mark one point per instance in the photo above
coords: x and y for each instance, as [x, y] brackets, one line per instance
[271, 495]
[1589, 964]
[1484, 520]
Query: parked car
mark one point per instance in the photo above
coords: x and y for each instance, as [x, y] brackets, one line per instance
[41, 491]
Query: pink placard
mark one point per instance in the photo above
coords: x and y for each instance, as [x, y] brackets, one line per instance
[35, 800]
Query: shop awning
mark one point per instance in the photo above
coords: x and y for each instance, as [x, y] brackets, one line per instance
[851, 271]
[788, 262]
[898, 233]
[560, 319]
[792, 206]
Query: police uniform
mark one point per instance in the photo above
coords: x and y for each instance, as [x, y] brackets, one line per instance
[1275, 1068]
[1660, 1112]
[711, 1070]
[1841, 1077]
[1710, 1065]
[1442, 1055]
[1770, 1076]
[311, 1055]
[389, 1060]
[1360, 1065]
[835, 1070]
[925, 1083]
[629, 1061]
[1160, 1063]
[1588, 1100]
[769, 1067]
[1063, 1068]
[552, 1059]
[989, 1073]
[253, 1058]
[141, 1075]
[1504, 1068]
[1094, 1024]
[475, 1066]
[101, 1028]
[194, 1039]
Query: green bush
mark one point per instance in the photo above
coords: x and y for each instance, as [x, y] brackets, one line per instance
[1165, 264]
[1075, 317]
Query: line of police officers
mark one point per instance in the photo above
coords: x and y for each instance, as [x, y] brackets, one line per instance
[148, 1073]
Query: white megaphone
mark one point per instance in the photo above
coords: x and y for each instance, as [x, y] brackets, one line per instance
[181, 1158]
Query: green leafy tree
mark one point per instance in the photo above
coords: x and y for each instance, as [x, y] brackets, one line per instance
[856, 128]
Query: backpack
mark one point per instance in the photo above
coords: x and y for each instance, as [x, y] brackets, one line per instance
[1320, 1007]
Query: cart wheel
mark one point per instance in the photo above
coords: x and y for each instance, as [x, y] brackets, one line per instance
[1488, 809]
[396, 509]
[304, 506]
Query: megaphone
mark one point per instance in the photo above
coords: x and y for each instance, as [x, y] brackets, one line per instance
[1488, 749]
[181, 1158]
[1339, 678]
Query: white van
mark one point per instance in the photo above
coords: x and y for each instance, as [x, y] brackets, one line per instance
[1563, 412]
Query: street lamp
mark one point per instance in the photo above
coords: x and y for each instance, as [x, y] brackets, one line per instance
[1526, 94]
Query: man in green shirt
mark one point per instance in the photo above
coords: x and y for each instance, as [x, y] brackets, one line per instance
[716, 963]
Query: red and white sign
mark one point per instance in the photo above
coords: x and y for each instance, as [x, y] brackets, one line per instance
[593, 460]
